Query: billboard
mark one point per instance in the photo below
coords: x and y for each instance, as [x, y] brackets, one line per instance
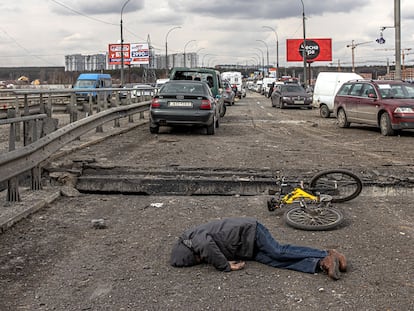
[317, 50]
[134, 53]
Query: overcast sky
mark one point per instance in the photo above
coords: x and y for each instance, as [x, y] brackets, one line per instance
[42, 32]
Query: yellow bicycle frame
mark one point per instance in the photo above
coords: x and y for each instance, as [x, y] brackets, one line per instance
[297, 194]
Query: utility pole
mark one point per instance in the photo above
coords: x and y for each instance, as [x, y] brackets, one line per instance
[397, 24]
[304, 45]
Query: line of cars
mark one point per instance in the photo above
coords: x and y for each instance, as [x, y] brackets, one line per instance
[283, 93]
[385, 104]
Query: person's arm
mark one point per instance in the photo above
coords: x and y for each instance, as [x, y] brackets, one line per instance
[211, 253]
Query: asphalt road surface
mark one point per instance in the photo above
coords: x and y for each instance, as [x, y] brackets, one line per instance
[56, 259]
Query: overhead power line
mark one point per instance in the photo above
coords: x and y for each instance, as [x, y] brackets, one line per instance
[82, 14]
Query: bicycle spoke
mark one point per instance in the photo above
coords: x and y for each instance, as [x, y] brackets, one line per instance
[313, 219]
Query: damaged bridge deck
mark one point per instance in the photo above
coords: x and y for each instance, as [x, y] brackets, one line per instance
[174, 182]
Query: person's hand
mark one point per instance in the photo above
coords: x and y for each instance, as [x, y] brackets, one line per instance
[237, 265]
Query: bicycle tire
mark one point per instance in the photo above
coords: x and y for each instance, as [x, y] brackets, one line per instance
[321, 220]
[342, 185]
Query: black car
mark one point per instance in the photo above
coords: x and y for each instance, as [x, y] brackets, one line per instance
[290, 95]
[184, 102]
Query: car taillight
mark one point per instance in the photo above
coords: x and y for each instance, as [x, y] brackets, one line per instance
[155, 103]
[205, 104]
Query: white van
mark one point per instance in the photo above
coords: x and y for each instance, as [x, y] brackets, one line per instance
[267, 83]
[235, 78]
[159, 83]
[326, 86]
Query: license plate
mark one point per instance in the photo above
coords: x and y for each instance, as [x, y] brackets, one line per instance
[180, 104]
[299, 102]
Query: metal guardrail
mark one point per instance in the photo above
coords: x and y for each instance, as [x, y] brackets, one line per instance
[64, 99]
[31, 156]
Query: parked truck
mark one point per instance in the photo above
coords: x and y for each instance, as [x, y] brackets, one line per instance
[236, 81]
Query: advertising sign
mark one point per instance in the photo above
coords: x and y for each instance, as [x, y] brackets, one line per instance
[114, 53]
[139, 54]
[134, 54]
[316, 50]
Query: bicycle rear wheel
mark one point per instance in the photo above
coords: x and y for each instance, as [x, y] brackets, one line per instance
[342, 185]
[313, 220]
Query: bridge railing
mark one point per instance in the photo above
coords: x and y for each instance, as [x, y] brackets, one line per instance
[42, 139]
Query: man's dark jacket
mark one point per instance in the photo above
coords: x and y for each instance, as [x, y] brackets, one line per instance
[219, 241]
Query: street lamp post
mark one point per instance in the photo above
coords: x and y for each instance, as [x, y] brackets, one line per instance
[204, 56]
[198, 51]
[262, 59]
[255, 62]
[166, 48]
[267, 51]
[211, 60]
[304, 45]
[122, 45]
[277, 49]
[185, 46]
[257, 59]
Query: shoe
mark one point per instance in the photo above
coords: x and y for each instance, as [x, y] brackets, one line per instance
[330, 264]
[341, 258]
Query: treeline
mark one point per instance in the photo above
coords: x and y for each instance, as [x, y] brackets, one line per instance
[58, 75]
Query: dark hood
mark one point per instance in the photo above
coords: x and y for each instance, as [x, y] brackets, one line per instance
[182, 256]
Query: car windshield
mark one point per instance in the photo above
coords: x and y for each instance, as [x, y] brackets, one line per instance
[399, 91]
[192, 88]
[85, 83]
[292, 89]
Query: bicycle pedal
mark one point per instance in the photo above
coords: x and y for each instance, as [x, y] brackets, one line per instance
[272, 205]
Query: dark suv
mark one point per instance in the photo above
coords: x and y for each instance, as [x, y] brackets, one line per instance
[210, 76]
[387, 104]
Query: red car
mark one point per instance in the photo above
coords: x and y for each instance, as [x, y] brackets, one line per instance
[387, 104]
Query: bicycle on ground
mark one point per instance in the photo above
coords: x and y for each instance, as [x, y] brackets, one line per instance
[311, 204]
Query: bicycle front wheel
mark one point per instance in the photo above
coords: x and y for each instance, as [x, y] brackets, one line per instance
[341, 185]
[313, 220]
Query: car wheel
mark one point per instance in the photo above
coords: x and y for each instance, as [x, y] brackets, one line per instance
[342, 119]
[385, 125]
[211, 128]
[324, 111]
[154, 129]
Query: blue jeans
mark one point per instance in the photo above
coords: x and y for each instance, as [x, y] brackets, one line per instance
[300, 258]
